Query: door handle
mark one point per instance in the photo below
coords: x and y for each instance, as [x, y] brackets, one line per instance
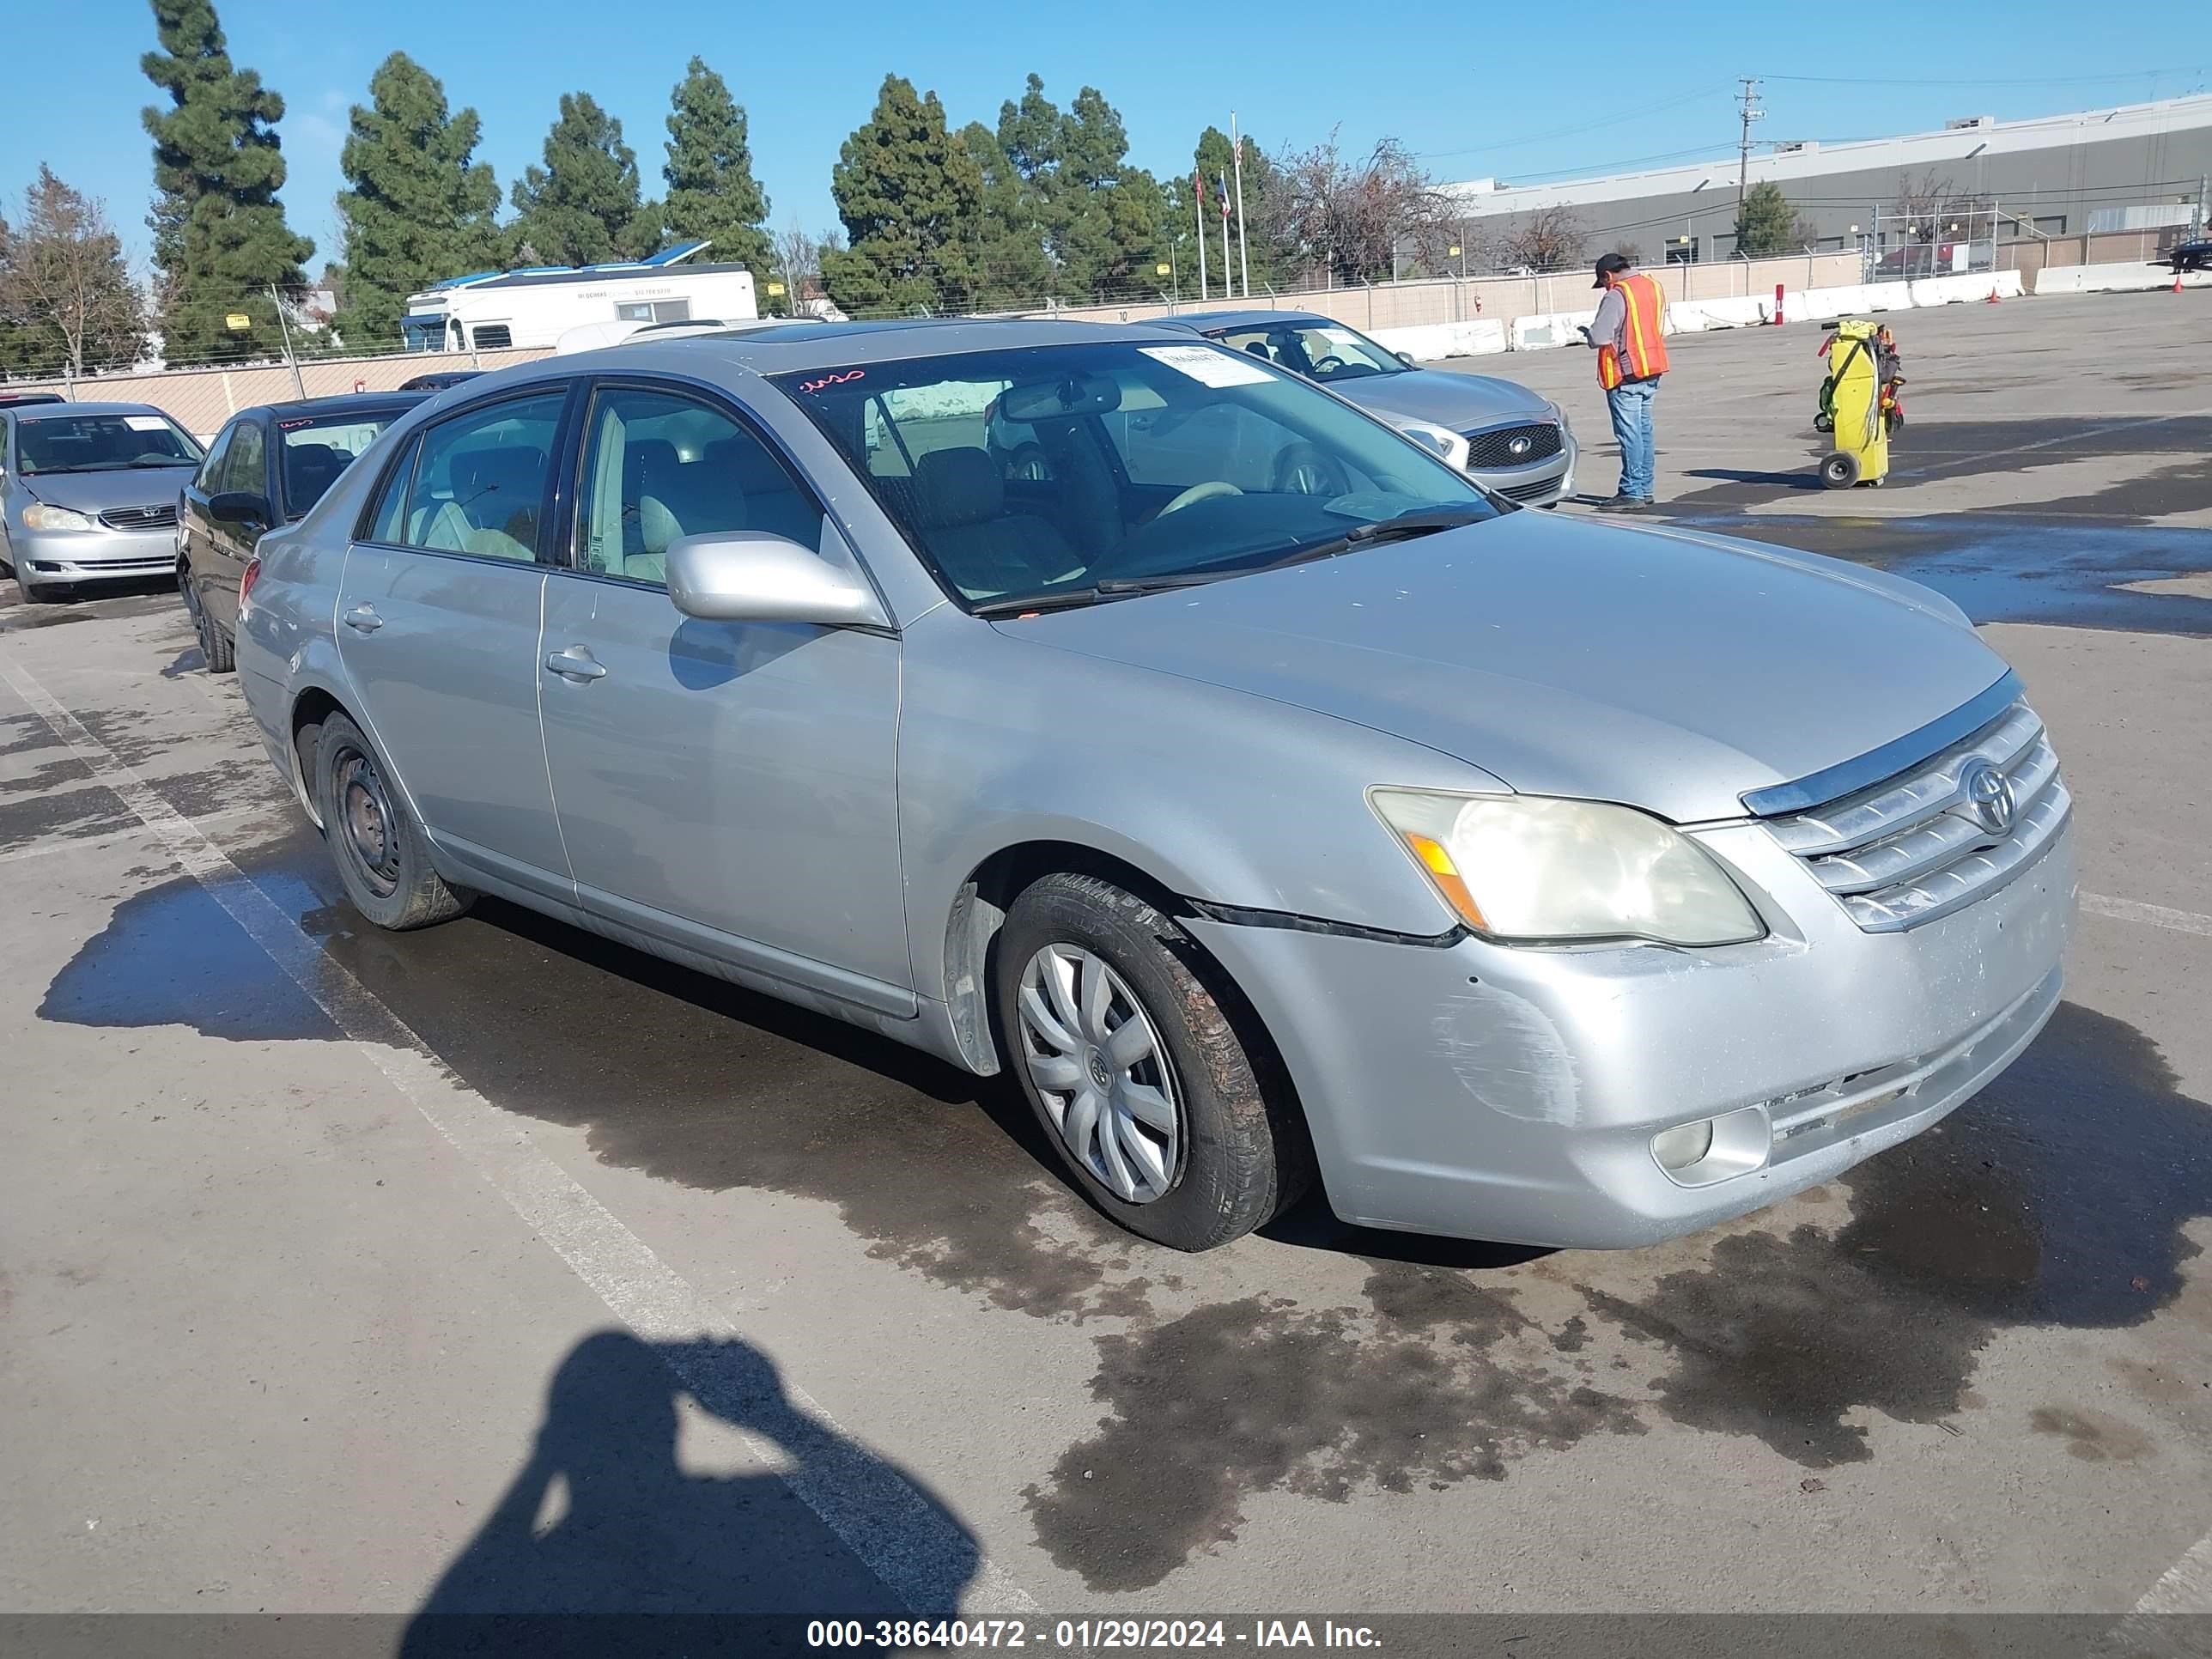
[363, 619]
[576, 664]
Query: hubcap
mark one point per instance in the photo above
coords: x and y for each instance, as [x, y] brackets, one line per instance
[365, 823]
[1101, 1072]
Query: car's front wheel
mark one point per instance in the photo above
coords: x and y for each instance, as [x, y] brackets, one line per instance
[379, 850]
[1150, 1093]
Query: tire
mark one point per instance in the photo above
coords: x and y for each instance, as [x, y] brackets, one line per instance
[1824, 423]
[218, 651]
[1840, 470]
[378, 847]
[1236, 1156]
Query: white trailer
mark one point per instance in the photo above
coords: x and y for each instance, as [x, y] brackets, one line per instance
[497, 309]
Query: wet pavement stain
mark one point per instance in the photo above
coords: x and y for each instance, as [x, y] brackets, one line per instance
[190, 660]
[91, 808]
[2055, 1197]
[1241, 1397]
[172, 955]
[2091, 1437]
[25, 734]
[2011, 570]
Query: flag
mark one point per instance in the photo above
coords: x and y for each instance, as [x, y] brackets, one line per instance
[1198, 186]
[1221, 185]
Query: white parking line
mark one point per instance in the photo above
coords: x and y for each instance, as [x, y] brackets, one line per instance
[2148, 1631]
[2150, 915]
[921, 1553]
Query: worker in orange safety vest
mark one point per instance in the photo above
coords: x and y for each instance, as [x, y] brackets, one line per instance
[1629, 334]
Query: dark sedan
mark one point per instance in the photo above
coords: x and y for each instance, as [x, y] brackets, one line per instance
[266, 468]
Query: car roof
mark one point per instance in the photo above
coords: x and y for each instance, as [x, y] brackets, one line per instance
[1204, 320]
[49, 412]
[345, 403]
[797, 346]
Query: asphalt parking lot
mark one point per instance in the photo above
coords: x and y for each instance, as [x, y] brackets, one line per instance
[337, 1267]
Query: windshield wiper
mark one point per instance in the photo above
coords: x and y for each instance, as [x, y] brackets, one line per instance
[1021, 604]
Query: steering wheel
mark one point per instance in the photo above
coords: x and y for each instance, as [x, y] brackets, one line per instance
[1200, 492]
[1308, 470]
[1327, 365]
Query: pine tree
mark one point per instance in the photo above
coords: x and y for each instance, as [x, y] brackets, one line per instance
[220, 238]
[1014, 270]
[582, 207]
[1108, 231]
[911, 198]
[1765, 222]
[419, 210]
[66, 296]
[712, 192]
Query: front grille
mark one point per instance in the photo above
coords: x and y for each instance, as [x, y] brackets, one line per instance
[140, 518]
[1490, 450]
[1910, 849]
[1528, 492]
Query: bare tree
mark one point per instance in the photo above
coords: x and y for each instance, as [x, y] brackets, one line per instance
[1550, 239]
[1348, 217]
[65, 279]
[1629, 250]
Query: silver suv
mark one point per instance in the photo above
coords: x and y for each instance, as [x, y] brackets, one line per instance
[1269, 801]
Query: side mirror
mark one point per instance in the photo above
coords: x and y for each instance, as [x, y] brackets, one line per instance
[241, 508]
[1407, 358]
[748, 576]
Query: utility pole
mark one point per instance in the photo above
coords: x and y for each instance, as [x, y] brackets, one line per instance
[1749, 99]
[1236, 158]
[290, 357]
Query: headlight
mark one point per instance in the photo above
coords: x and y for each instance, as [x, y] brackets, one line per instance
[38, 516]
[1445, 444]
[1532, 867]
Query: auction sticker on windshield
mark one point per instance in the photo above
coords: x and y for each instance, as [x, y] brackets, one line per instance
[145, 423]
[1208, 366]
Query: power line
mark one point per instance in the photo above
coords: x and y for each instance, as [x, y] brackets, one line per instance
[1641, 114]
[1988, 81]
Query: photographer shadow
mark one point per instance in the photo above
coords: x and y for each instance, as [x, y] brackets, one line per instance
[604, 1542]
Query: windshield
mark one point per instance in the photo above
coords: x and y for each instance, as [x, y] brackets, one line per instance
[317, 448]
[102, 443]
[424, 331]
[1080, 470]
[1320, 351]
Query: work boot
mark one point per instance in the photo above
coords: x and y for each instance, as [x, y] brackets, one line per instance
[1624, 504]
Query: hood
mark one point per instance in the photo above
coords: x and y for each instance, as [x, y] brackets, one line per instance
[103, 492]
[1669, 672]
[1460, 402]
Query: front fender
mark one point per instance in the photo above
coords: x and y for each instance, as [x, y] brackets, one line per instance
[1214, 793]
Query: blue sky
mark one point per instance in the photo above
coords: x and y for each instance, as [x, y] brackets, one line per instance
[1463, 84]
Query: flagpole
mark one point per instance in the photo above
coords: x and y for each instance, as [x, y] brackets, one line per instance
[1228, 281]
[1198, 207]
[1237, 155]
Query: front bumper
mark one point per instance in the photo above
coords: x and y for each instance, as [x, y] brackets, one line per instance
[63, 558]
[1512, 1094]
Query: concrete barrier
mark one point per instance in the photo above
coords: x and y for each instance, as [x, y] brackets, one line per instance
[2130, 277]
[1544, 330]
[1429, 341]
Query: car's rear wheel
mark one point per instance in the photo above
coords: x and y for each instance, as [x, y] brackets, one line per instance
[217, 649]
[378, 849]
[1151, 1095]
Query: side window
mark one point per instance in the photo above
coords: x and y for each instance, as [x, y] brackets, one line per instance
[492, 337]
[246, 466]
[656, 466]
[479, 482]
[209, 479]
[389, 522]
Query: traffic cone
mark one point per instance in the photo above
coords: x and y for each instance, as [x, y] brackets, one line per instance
[2176, 288]
[1993, 299]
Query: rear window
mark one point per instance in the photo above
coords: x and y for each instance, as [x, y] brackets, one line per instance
[318, 448]
[102, 443]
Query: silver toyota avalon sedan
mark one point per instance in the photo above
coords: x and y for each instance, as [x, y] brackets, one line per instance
[1272, 804]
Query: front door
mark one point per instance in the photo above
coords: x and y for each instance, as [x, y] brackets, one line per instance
[725, 786]
[437, 627]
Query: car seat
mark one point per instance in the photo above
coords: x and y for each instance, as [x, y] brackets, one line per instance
[309, 470]
[960, 502]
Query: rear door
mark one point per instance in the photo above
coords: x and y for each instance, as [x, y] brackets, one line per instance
[724, 786]
[438, 620]
[227, 546]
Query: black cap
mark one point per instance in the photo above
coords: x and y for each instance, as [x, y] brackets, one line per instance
[1611, 265]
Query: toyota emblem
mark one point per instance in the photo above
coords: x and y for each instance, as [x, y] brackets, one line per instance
[1990, 799]
[1518, 448]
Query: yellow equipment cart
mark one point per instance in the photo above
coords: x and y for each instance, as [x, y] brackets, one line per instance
[1862, 451]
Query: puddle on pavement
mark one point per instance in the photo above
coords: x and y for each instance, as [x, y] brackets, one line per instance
[2056, 1198]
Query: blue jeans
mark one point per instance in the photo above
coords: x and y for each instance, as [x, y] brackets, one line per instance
[1630, 406]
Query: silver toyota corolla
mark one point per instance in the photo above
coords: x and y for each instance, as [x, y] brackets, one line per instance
[1268, 800]
[88, 493]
